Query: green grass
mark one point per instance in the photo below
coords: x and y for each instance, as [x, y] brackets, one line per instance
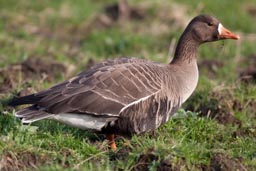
[66, 32]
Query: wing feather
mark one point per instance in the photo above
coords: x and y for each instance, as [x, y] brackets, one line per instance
[148, 113]
[106, 88]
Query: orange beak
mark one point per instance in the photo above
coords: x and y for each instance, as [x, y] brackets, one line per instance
[226, 34]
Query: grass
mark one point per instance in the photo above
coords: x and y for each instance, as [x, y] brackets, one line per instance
[215, 129]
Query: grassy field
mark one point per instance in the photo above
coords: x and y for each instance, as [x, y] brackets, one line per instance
[44, 42]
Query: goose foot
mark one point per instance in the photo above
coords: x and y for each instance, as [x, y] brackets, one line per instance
[111, 141]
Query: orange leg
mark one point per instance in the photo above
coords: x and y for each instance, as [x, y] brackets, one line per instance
[111, 141]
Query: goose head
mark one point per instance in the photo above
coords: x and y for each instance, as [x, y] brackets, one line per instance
[205, 28]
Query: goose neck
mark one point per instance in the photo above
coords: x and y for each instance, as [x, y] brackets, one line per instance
[186, 50]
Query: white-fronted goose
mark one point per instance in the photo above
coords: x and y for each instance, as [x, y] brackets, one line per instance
[126, 95]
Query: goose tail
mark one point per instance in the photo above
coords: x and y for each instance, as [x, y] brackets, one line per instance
[32, 114]
[30, 99]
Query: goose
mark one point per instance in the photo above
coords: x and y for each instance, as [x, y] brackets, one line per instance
[126, 96]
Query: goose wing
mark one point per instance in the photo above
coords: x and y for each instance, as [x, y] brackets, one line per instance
[105, 89]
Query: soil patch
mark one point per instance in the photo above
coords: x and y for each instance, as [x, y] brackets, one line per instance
[145, 160]
[121, 154]
[30, 69]
[123, 11]
[211, 66]
[242, 132]
[91, 62]
[248, 73]
[218, 162]
[113, 14]
[221, 162]
[21, 161]
[216, 105]
[251, 10]
[167, 165]
[38, 68]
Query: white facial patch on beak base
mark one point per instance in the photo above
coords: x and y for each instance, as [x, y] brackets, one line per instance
[220, 28]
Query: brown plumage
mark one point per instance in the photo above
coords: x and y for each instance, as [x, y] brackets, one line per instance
[126, 95]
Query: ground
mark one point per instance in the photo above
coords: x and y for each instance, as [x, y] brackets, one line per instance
[45, 42]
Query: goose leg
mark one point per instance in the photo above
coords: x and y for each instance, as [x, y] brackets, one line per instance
[111, 141]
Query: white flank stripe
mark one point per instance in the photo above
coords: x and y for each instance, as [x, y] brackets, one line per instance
[219, 28]
[107, 98]
[137, 101]
[81, 121]
[25, 121]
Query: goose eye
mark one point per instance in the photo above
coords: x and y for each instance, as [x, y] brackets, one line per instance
[210, 24]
